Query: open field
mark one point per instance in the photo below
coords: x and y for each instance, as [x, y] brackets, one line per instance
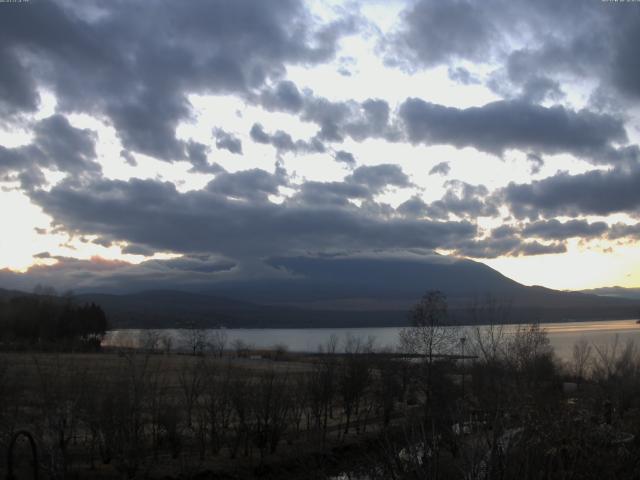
[509, 407]
[127, 414]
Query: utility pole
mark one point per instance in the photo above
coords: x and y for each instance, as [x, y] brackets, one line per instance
[462, 342]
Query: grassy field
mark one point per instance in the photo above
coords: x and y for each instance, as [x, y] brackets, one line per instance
[126, 414]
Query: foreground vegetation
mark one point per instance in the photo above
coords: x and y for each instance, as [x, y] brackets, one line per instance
[47, 321]
[505, 409]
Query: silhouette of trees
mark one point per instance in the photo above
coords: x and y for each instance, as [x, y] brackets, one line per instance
[429, 336]
[195, 338]
[46, 321]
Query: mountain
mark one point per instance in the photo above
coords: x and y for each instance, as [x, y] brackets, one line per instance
[350, 292]
[354, 292]
[617, 292]
[174, 309]
[391, 284]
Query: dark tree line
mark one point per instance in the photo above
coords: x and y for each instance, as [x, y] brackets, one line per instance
[47, 321]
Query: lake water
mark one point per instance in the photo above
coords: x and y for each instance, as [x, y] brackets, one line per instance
[561, 335]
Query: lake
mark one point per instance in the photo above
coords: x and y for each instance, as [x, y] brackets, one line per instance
[561, 335]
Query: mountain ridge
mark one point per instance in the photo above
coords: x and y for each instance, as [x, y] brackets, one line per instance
[352, 292]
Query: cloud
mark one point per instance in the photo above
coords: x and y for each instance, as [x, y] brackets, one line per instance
[621, 230]
[345, 157]
[284, 97]
[556, 230]
[363, 184]
[378, 177]
[502, 125]
[254, 184]
[436, 32]
[88, 60]
[232, 217]
[462, 75]
[283, 142]
[99, 273]
[414, 207]
[441, 168]
[56, 145]
[18, 92]
[463, 200]
[506, 247]
[596, 192]
[331, 193]
[626, 65]
[536, 162]
[336, 120]
[197, 154]
[227, 141]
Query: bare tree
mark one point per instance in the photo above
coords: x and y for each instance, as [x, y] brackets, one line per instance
[354, 376]
[149, 340]
[429, 335]
[527, 345]
[166, 342]
[241, 348]
[488, 335]
[580, 358]
[218, 341]
[195, 338]
[191, 378]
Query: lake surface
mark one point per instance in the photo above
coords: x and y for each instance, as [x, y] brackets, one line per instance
[561, 335]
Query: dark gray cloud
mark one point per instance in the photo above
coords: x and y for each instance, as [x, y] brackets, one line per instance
[254, 184]
[622, 230]
[536, 162]
[336, 119]
[503, 125]
[463, 200]
[537, 248]
[598, 192]
[506, 247]
[99, 273]
[414, 207]
[156, 215]
[197, 154]
[363, 184]
[128, 157]
[436, 32]
[462, 75]
[600, 46]
[56, 145]
[345, 157]
[378, 177]
[284, 97]
[537, 89]
[331, 193]
[227, 141]
[626, 64]
[283, 142]
[441, 168]
[556, 230]
[18, 92]
[88, 61]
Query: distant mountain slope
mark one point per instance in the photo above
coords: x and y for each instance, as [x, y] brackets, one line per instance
[6, 294]
[353, 292]
[175, 309]
[618, 292]
[396, 283]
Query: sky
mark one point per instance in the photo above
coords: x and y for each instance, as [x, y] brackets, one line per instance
[186, 143]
